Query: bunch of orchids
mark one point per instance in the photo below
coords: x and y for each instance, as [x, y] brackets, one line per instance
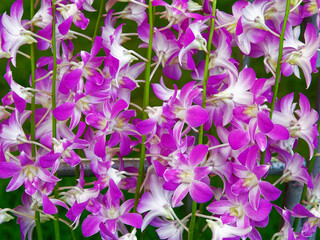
[206, 130]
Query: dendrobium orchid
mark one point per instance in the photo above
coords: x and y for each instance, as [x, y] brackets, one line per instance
[212, 136]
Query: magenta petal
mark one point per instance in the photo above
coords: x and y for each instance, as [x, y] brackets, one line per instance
[261, 140]
[238, 138]
[264, 123]
[47, 160]
[172, 175]
[261, 213]
[220, 207]
[132, 219]
[19, 102]
[146, 126]
[201, 172]
[65, 26]
[100, 147]
[76, 210]
[196, 116]
[118, 107]
[90, 225]
[72, 79]
[254, 197]
[16, 182]
[9, 169]
[105, 233]
[172, 71]
[279, 132]
[197, 154]
[179, 194]
[268, 191]
[200, 192]
[302, 211]
[48, 206]
[64, 111]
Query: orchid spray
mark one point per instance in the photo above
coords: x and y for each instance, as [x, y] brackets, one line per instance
[159, 105]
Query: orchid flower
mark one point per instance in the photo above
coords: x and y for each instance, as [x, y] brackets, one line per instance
[298, 128]
[14, 33]
[187, 176]
[112, 215]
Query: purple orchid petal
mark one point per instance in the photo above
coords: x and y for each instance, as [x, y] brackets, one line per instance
[254, 197]
[64, 27]
[201, 172]
[16, 182]
[200, 192]
[19, 102]
[261, 140]
[219, 207]
[72, 79]
[9, 169]
[180, 193]
[197, 155]
[48, 206]
[118, 107]
[47, 160]
[64, 111]
[172, 71]
[132, 219]
[196, 116]
[173, 176]
[100, 147]
[146, 126]
[262, 211]
[268, 191]
[105, 233]
[279, 132]
[76, 210]
[238, 138]
[264, 123]
[90, 225]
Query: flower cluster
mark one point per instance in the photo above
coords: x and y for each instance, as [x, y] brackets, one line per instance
[82, 107]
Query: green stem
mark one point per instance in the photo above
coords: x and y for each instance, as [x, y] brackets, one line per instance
[145, 104]
[102, 3]
[38, 224]
[279, 63]
[204, 96]
[33, 108]
[53, 106]
[206, 68]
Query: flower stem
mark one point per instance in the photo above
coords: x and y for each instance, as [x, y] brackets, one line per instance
[38, 224]
[53, 102]
[102, 3]
[204, 96]
[33, 121]
[145, 104]
[278, 71]
[206, 68]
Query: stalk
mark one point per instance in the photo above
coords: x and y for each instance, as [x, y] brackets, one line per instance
[102, 3]
[278, 72]
[53, 106]
[38, 224]
[33, 121]
[206, 68]
[145, 104]
[204, 95]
